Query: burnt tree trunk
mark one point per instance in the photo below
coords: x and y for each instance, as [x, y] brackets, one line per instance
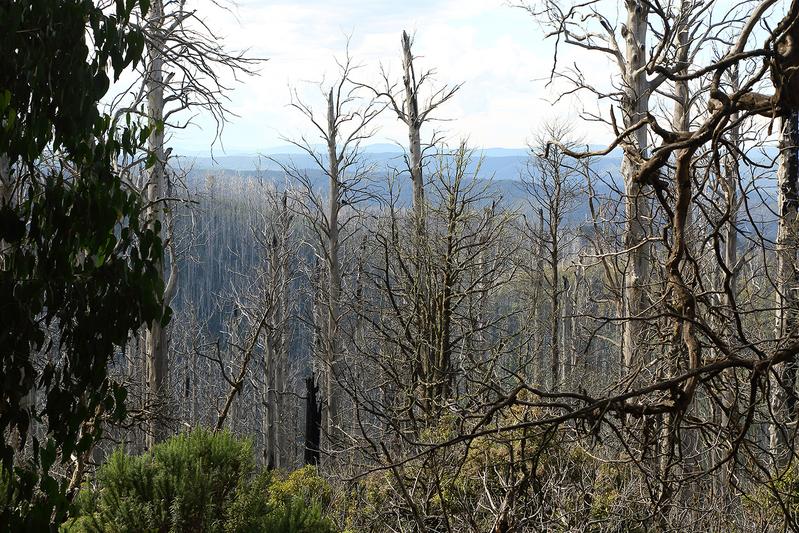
[313, 422]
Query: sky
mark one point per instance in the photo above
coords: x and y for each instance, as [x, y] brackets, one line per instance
[496, 51]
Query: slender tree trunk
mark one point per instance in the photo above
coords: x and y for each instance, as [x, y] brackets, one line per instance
[155, 336]
[635, 108]
[414, 136]
[427, 312]
[271, 404]
[538, 343]
[281, 311]
[332, 399]
[783, 379]
[440, 376]
[730, 259]
[313, 422]
[669, 433]
[554, 318]
[566, 348]
[276, 356]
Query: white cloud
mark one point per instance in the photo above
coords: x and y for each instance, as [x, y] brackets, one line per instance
[496, 52]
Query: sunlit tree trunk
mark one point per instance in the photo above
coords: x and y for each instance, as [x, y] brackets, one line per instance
[155, 336]
[635, 108]
[411, 108]
[783, 379]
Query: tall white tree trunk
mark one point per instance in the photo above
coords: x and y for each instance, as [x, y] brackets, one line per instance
[730, 259]
[635, 108]
[538, 296]
[281, 313]
[155, 337]
[555, 318]
[276, 356]
[270, 420]
[411, 109]
[783, 379]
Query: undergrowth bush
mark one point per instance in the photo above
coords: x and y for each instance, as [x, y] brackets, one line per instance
[200, 482]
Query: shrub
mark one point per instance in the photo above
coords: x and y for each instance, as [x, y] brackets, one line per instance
[199, 482]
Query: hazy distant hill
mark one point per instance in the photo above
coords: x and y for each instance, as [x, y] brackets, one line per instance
[496, 163]
[502, 166]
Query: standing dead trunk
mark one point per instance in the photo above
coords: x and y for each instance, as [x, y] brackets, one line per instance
[275, 356]
[332, 400]
[538, 296]
[411, 109]
[155, 345]
[555, 318]
[313, 422]
[270, 401]
[281, 314]
[783, 378]
[566, 351]
[635, 108]
[731, 179]
[410, 115]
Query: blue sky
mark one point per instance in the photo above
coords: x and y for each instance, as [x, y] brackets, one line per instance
[498, 52]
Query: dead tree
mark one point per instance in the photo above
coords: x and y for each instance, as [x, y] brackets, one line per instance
[346, 124]
[155, 343]
[784, 396]
[313, 422]
[551, 180]
[182, 72]
[414, 105]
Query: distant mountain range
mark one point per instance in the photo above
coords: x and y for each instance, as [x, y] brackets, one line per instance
[504, 167]
[496, 163]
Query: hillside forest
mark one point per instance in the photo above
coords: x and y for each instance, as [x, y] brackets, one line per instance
[427, 337]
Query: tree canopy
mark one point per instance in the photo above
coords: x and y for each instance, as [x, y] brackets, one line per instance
[76, 266]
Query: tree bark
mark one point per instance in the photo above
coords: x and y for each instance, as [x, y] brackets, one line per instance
[411, 110]
[313, 422]
[635, 108]
[155, 336]
[332, 399]
[554, 324]
[731, 180]
[783, 378]
[670, 437]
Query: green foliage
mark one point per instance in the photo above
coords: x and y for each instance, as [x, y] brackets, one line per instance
[296, 503]
[305, 483]
[200, 482]
[542, 477]
[50, 78]
[77, 272]
[774, 505]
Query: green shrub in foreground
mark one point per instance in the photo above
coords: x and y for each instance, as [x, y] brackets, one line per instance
[200, 482]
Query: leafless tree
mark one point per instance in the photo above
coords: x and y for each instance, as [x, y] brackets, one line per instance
[552, 181]
[181, 74]
[345, 125]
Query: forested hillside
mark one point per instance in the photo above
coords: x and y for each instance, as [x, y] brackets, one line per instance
[341, 334]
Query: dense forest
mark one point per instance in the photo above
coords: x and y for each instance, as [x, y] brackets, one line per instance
[340, 338]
